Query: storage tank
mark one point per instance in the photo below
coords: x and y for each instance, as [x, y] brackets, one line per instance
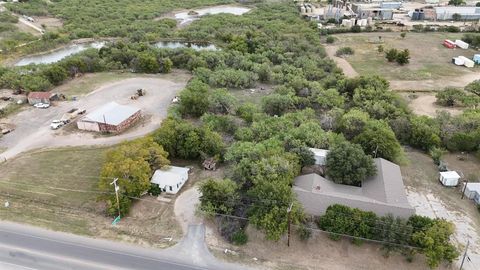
[369, 21]
[302, 9]
[421, 16]
[308, 9]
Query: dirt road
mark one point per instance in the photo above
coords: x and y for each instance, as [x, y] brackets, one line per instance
[342, 63]
[33, 125]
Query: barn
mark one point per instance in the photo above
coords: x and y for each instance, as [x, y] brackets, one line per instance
[39, 97]
[111, 117]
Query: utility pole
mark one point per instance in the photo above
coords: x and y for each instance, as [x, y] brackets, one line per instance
[464, 188]
[376, 149]
[464, 255]
[116, 193]
[289, 211]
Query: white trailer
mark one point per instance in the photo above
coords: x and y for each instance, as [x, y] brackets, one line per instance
[458, 61]
[461, 44]
[467, 62]
[449, 178]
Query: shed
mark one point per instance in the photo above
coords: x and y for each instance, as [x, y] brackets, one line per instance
[472, 191]
[461, 44]
[111, 117]
[171, 179]
[39, 97]
[449, 178]
[458, 61]
[476, 58]
[320, 156]
[467, 62]
[449, 44]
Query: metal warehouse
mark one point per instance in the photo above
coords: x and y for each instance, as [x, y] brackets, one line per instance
[111, 117]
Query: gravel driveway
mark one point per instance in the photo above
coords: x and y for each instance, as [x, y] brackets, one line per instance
[33, 125]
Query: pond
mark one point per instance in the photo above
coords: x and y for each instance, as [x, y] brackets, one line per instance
[177, 44]
[187, 16]
[59, 54]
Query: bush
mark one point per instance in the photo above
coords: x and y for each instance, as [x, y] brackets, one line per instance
[356, 29]
[330, 39]
[449, 96]
[154, 190]
[436, 153]
[239, 238]
[304, 233]
[403, 57]
[391, 54]
[380, 48]
[344, 51]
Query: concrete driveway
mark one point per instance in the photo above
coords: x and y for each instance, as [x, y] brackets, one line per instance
[33, 125]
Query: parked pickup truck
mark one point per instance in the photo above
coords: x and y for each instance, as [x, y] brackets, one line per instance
[56, 124]
[72, 114]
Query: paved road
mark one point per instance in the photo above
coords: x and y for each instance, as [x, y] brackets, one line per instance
[24, 247]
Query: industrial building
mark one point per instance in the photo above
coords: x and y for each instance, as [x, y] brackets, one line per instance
[373, 11]
[40, 97]
[111, 117]
[466, 13]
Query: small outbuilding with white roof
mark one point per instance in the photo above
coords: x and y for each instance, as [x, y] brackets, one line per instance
[111, 117]
[320, 156]
[171, 179]
[449, 178]
[472, 191]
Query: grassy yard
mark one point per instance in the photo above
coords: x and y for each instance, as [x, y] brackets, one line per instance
[56, 189]
[429, 59]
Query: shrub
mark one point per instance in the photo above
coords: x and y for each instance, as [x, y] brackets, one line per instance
[403, 34]
[304, 233]
[380, 48]
[330, 39]
[449, 96]
[154, 190]
[391, 54]
[403, 57]
[239, 238]
[356, 29]
[344, 51]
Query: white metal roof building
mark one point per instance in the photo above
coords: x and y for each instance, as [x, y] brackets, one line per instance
[449, 178]
[466, 13]
[472, 191]
[170, 180]
[111, 117]
[382, 194]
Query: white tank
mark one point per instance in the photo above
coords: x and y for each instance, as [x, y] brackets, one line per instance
[369, 21]
[302, 9]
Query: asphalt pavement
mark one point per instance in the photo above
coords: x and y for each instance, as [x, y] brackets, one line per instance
[25, 247]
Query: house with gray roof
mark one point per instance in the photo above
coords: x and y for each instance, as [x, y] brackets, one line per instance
[382, 194]
[111, 117]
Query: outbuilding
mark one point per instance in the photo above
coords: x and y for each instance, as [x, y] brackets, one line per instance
[467, 62]
[171, 179]
[461, 44]
[39, 97]
[458, 61]
[472, 191]
[111, 117]
[476, 58]
[320, 156]
[449, 178]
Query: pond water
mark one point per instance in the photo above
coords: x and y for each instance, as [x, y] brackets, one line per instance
[195, 46]
[58, 55]
[184, 17]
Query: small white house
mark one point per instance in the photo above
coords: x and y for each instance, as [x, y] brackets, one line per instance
[320, 156]
[472, 191]
[170, 180]
[449, 178]
[461, 44]
[458, 61]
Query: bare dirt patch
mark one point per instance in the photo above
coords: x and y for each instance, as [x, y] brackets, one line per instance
[341, 62]
[425, 104]
[49, 23]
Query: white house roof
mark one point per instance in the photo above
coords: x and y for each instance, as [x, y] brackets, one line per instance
[111, 113]
[474, 187]
[459, 10]
[169, 177]
[319, 152]
[450, 174]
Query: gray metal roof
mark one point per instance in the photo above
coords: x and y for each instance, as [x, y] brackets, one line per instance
[111, 113]
[383, 193]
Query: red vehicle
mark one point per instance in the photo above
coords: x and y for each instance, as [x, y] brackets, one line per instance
[449, 44]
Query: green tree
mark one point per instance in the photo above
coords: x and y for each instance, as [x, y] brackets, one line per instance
[403, 57]
[378, 139]
[353, 122]
[246, 111]
[456, 2]
[221, 101]
[391, 54]
[474, 87]
[330, 39]
[435, 242]
[450, 96]
[147, 63]
[347, 164]
[55, 74]
[425, 133]
[328, 99]
[218, 196]
[277, 104]
[195, 99]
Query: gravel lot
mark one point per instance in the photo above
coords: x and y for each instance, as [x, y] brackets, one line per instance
[33, 125]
